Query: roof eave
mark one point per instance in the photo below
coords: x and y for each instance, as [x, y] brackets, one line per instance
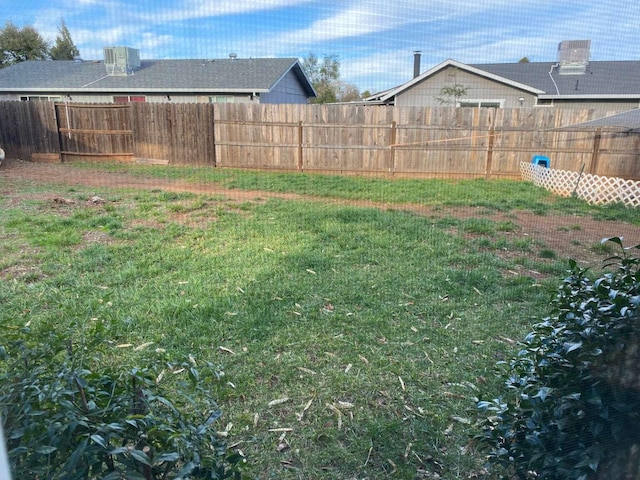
[309, 86]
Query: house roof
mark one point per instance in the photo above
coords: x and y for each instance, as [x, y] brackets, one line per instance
[626, 121]
[604, 79]
[221, 75]
[609, 79]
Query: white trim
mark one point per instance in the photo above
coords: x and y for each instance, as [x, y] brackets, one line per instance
[479, 102]
[594, 96]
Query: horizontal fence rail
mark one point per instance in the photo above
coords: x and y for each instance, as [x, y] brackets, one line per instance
[347, 139]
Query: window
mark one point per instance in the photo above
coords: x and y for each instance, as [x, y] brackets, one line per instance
[481, 103]
[129, 98]
[40, 98]
[222, 99]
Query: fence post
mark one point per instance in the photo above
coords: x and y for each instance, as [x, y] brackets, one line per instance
[300, 136]
[490, 151]
[392, 140]
[595, 154]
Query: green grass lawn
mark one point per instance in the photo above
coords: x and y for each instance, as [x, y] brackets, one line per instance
[353, 341]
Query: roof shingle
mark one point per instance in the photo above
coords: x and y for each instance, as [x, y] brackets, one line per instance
[258, 75]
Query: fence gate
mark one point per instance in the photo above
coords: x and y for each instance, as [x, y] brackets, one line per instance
[94, 132]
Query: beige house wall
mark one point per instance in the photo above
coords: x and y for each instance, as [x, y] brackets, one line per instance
[427, 92]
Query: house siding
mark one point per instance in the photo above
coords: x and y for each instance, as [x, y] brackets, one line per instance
[427, 92]
[288, 90]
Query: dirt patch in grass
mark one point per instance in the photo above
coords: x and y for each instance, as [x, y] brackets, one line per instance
[566, 236]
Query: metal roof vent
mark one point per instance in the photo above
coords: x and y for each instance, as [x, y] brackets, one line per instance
[121, 60]
[573, 56]
[233, 56]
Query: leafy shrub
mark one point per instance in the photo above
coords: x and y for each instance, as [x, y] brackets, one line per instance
[570, 406]
[72, 415]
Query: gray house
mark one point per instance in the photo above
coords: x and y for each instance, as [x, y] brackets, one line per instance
[123, 77]
[572, 81]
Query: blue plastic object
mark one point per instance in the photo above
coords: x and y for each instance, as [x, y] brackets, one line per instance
[541, 160]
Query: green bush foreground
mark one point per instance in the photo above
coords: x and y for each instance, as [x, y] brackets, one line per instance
[67, 414]
[571, 402]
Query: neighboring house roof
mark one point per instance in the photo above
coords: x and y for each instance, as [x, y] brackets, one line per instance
[227, 75]
[604, 79]
[626, 121]
[601, 80]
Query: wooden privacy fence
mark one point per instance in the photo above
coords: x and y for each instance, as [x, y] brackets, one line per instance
[346, 139]
[593, 189]
[93, 132]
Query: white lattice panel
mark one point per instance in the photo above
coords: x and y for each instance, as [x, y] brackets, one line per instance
[590, 188]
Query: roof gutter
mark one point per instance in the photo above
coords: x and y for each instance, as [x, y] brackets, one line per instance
[162, 90]
[612, 96]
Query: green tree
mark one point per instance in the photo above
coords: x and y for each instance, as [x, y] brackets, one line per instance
[524, 60]
[324, 75]
[64, 48]
[21, 44]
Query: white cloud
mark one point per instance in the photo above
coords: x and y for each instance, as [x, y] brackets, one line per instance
[192, 9]
[374, 39]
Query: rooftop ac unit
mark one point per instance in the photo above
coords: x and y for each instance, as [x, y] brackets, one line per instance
[121, 60]
[573, 56]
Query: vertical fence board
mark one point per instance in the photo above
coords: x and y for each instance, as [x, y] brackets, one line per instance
[28, 128]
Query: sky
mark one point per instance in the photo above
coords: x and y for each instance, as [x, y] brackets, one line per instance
[374, 40]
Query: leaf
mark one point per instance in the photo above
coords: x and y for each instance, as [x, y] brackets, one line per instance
[46, 449]
[141, 457]
[118, 451]
[616, 240]
[132, 475]
[542, 393]
[213, 417]
[305, 408]
[113, 476]
[462, 420]
[571, 346]
[143, 346]
[168, 457]
[307, 370]
[277, 401]
[99, 440]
